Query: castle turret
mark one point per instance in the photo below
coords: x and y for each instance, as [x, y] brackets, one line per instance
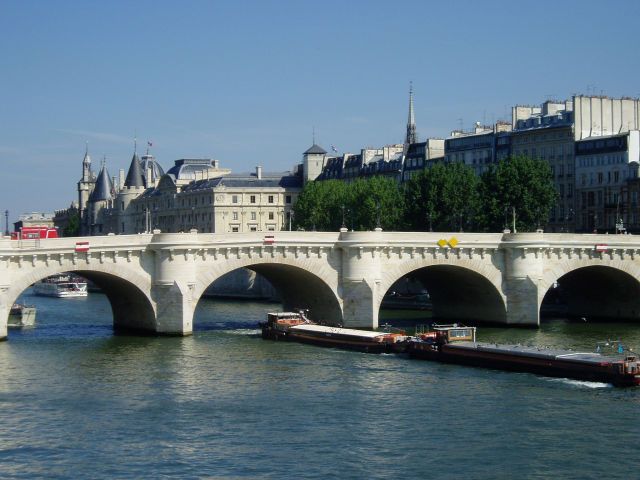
[85, 188]
[313, 162]
[134, 186]
[100, 202]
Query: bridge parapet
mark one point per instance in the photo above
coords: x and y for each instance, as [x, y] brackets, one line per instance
[357, 268]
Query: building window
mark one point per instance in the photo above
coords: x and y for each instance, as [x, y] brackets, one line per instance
[253, 215]
[252, 199]
[234, 216]
[234, 229]
[270, 198]
[234, 199]
[253, 228]
[288, 199]
[270, 215]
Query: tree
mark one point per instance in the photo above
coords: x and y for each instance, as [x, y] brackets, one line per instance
[445, 198]
[319, 206]
[519, 183]
[373, 202]
[361, 204]
[73, 226]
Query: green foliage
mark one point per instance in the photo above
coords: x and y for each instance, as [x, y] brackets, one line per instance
[442, 198]
[362, 203]
[521, 183]
[73, 227]
[445, 197]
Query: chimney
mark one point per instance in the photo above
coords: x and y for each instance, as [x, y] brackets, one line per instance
[259, 172]
[121, 179]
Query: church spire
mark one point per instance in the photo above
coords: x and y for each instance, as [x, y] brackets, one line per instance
[411, 137]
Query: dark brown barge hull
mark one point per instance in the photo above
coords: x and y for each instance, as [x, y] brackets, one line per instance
[548, 367]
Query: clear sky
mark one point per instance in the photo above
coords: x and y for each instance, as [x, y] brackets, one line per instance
[245, 82]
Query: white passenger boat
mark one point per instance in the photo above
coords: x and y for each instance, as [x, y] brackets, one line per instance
[61, 286]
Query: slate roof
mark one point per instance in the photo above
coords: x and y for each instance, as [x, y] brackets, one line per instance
[315, 149]
[104, 188]
[134, 176]
[282, 180]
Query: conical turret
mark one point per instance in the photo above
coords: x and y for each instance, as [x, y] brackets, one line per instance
[104, 188]
[134, 176]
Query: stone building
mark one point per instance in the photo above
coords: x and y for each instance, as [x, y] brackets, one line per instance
[547, 133]
[215, 202]
[554, 132]
[606, 173]
[194, 193]
[421, 155]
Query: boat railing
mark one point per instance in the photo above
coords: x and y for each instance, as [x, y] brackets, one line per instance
[611, 346]
[388, 328]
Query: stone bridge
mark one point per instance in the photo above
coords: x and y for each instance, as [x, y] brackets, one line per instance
[154, 281]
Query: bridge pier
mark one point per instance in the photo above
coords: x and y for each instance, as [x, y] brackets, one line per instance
[175, 308]
[523, 268]
[522, 302]
[359, 308]
[4, 317]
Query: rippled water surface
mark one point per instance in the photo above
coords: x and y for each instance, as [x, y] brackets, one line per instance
[79, 402]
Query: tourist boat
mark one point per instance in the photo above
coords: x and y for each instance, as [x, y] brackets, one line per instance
[61, 286]
[408, 301]
[21, 316]
[457, 344]
[296, 327]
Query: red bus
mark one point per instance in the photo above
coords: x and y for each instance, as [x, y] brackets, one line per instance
[34, 231]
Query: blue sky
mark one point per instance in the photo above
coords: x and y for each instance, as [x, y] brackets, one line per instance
[245, 82]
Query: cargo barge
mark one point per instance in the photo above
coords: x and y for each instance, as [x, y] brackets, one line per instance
[296, 327]
[457, 344]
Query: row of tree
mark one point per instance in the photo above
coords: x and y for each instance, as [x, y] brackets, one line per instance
[445, 197]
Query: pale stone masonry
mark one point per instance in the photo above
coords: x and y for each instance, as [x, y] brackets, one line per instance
[154, 281]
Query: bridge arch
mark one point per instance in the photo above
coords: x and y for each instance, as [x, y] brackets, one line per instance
[300, 284]
[593, 290]
[467, 290]
[127, 290]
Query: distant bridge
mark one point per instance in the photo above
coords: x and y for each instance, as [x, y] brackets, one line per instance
[154, 281]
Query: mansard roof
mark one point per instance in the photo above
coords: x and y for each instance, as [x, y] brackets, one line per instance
[104, 188]
[268, 180]
[134, 176]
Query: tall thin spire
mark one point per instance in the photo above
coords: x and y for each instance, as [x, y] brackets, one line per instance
[411, 137]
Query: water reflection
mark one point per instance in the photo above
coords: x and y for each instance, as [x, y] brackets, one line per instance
[81, 402]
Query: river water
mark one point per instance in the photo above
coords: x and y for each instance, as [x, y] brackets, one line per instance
[79, 402]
